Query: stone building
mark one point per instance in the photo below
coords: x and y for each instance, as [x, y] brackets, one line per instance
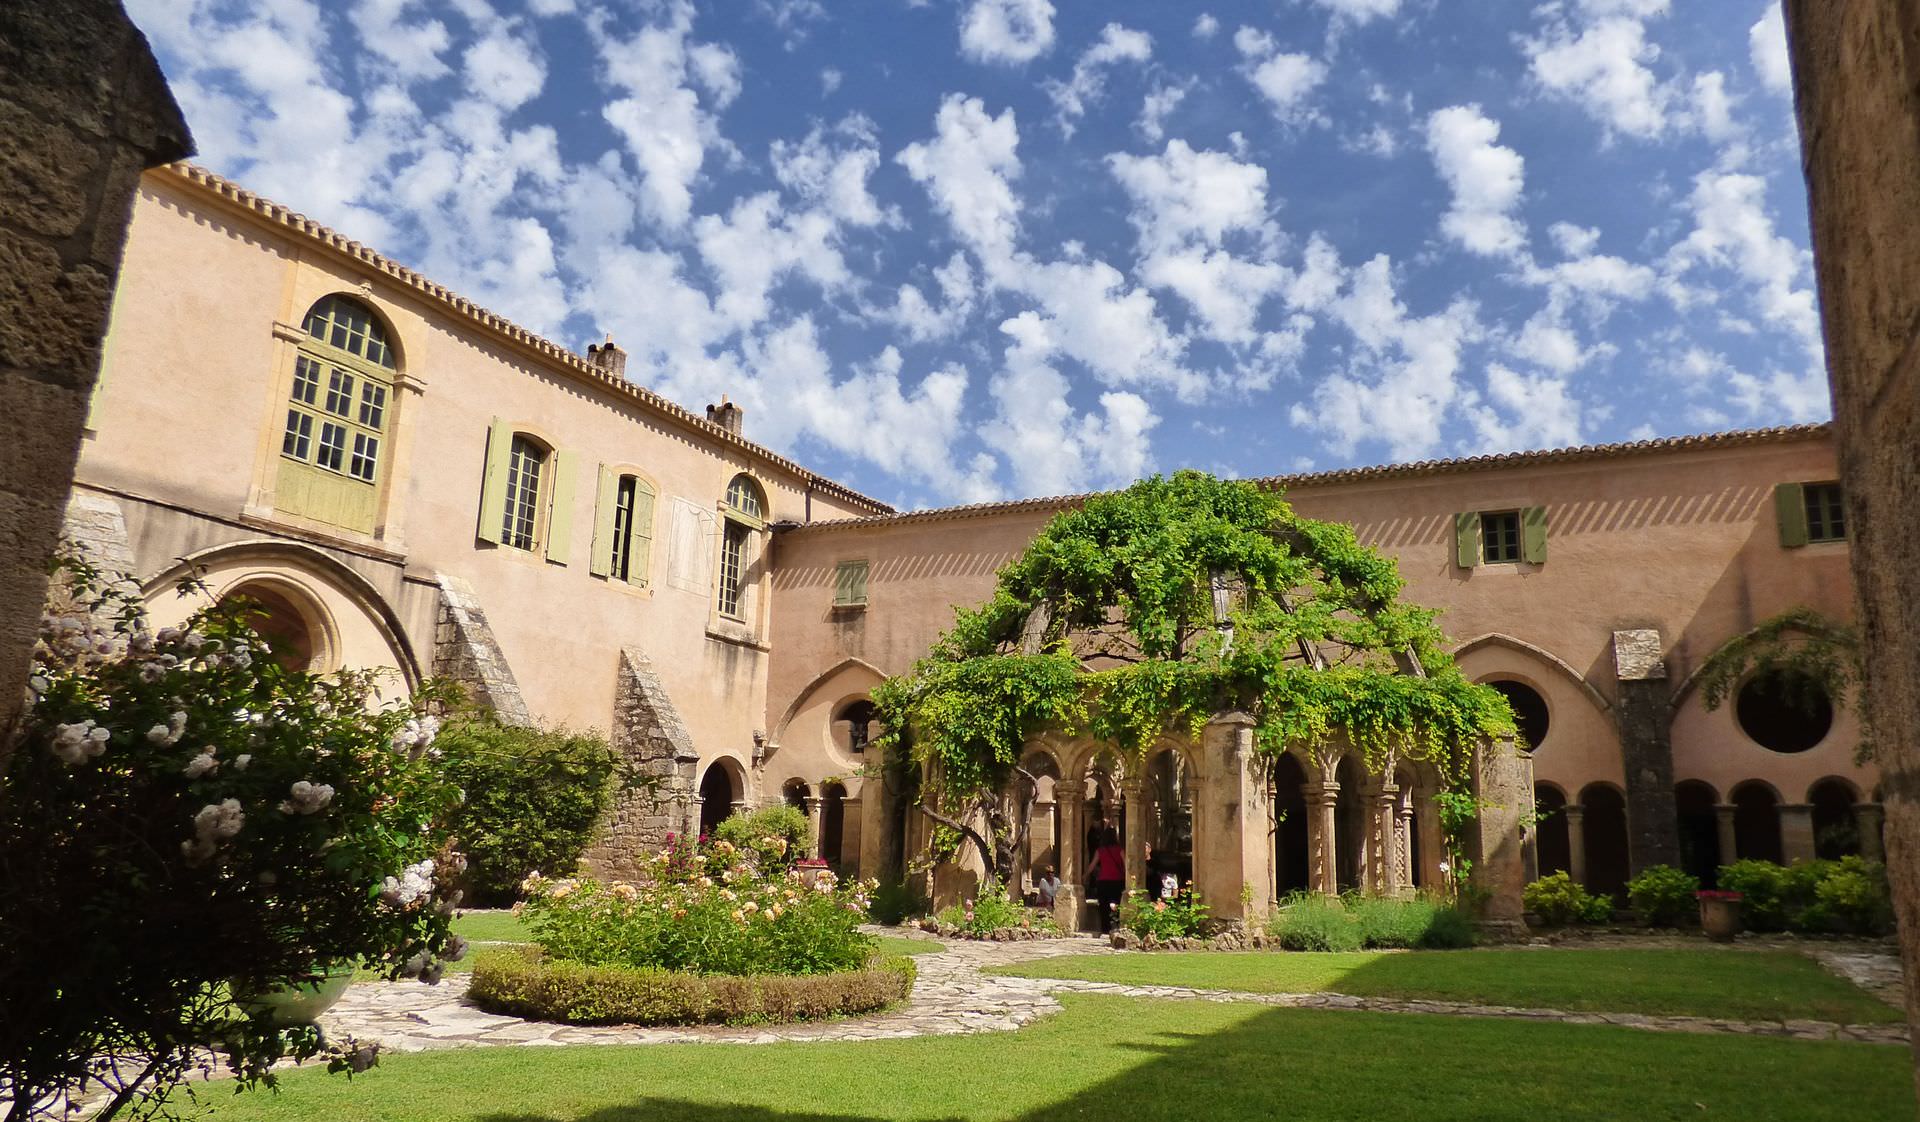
[404, 480]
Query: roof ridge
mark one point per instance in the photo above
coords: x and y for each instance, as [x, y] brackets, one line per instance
[1490, 460]
[233, 193]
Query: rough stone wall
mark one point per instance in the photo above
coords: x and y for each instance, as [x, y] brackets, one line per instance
[97, 528]
[656, 751]
[1503, 780]
[83, 110]
[1646, 748]
[1857, 89]
[465, 651]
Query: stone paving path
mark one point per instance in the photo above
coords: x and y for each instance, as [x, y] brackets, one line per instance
[954, 995]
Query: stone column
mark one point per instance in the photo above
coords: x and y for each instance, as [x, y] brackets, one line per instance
[1136, 832]
[1073, 831]
[1505, 786]
[1866, 819]
[851, 827]
[1653, 830]
[1232, 836]
[1323, 837]
[1403, 841]
[1040, 848]
[1796, 832]
[1729, 837]
[1576, 842]
[1386, 861]
[814, 822]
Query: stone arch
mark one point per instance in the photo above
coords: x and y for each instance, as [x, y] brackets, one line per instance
[1756, 821]
[1170, 785]
[833, 822]
[295, 625]
[723, 786]
[361, 630]
[1553, 663]
[1582, 741]
[1553, 838]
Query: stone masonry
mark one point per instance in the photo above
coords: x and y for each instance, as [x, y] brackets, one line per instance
[657, 761]
[96, 527]
[1646, 748]
[84, 109]
[465, 651]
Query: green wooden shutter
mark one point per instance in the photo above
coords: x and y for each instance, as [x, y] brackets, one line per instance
[1790, 506]
[1533, 535]
[640, 534]
[560, 519]
[850, 584]
[1466, 539]
[860, 583]
[493, 484]
[600, 562]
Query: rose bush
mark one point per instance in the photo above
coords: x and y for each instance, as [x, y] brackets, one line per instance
[182, 819]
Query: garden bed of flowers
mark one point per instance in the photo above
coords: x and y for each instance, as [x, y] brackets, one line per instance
[715, 934]
[991, 917]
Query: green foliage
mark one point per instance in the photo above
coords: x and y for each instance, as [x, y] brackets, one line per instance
[1146, 611]
[777, 836]
[1664, 895]
[1312, 922]
[1806, 653]
[1848, 895]
[896, 901]
[182, 818]
[1179, 916]
[522, 982]
[533, 799]
[1559, 900]
[993, 910]
[703, 912]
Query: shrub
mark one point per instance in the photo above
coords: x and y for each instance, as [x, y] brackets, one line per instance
[1664, 895]
[993, 910]
[522, 982]
[182, 818]
[711, 913]
[1762, 886]
[1309, 921]
[1175, 917]
[777, 836]
[534, 798]
[1312, 922]
[896, 901]
[1848, 895]
[1855, 895]
[1558, 901]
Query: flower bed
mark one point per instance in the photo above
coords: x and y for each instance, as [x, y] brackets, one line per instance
[522, 982]
[992, 917]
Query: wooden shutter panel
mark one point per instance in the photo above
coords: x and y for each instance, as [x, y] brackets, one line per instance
[1533, 535]
[1790, 506]
[640, 536]
[560, 515]
[1466, 539]
[493, 483]
[860, 582]
[606, 499]
[842, 584]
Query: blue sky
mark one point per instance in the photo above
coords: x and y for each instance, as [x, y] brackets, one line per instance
[956, 251]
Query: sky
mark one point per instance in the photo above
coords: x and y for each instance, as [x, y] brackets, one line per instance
[962, 250]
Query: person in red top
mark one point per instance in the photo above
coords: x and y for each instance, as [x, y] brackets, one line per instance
[1107, 877]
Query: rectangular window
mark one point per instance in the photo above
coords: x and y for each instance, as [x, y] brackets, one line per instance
[373, 404]
[733, 548]
[1826, 512]
[299, 435]
[850, 584]
[333, 446]
[623, 527]
[340, 393]
[1499, 537]
[306, 380]
[524, 465]
[366, 456]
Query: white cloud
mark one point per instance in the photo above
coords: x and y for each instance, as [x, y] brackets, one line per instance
[968, 169]
[1284, 78]
[1604, 69]
[1206, 27]
[1713, 107]
[1547, 342]
[1223, 290]
[1767, 47]
[918, 316]
[1048, 447]
[831, 171]
[1006, 31]
[1113, 328]
[1154, 108]
[1485, 178]
[1530, 413]
[830, 78]
[1361, 11]
[1574, 241]
[1117, 44]
[1183, 194]
[1733, 230]
[666, 128]
[504, 69]
[757, 245]
[412, 48]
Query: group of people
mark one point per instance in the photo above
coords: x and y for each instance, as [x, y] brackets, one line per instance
[1106, 876]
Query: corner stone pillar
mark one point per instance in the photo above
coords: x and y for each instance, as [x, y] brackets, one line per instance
[1867, 818]
[815, 825]
[1323, 837]
[1233, 846]
[1653, 829]
[1505, 788]
[851, 825]
[649, 738]
[1576, 842]
[1385, 863]
[1796, 832]
[1729, 836]
[465, 651]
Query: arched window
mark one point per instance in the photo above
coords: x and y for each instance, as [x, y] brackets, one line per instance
[526, 495]
[745, 512]
[858, 716]
[339, 405]
[526, 470]
[1530, 714]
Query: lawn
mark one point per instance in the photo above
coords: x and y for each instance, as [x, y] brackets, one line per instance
[1741, 985]
[894, 944]
[491, 927]
[1112, 1057]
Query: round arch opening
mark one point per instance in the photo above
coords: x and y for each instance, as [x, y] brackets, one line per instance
[290, 623]
[1529, 710]
[1784, 711]
[718, 793]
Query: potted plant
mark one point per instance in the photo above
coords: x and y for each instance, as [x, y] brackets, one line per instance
[291, 1006]
[1720, 914]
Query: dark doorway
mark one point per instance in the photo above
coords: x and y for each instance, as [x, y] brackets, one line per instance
[1290, 856]
[717, 797]
[1699, 826]
[1554, 845]
[1836, 831]
[1604, 827]
[1756, 822]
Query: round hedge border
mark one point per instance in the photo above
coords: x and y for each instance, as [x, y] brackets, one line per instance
[520, 982]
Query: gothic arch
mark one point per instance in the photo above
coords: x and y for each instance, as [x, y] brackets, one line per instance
[820, 680]
[1546, 657]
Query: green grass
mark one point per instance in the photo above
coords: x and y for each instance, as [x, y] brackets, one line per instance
[1741, 985]
[894, 944]
[491, 927]
[1145, 1061]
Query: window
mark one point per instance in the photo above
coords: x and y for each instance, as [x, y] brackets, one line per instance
[343, 372]
[745, 511]
[859, 716]
[1784, 711]
[525, 464]
[850, 584]
[743, 495]
[623, 528]
[1496, 537]
[1500, 537]
[733, 547]
[1826, 513]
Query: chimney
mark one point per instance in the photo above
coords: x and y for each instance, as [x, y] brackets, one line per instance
[605, 356]
[726, 414]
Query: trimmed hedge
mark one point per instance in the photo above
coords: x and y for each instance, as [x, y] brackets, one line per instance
[518, 982]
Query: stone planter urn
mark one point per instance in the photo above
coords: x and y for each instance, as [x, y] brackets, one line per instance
[811, 870]
[292, 1006]
[1720, 915]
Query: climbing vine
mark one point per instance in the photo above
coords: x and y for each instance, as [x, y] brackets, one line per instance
[1145, 612]
[1808, 655]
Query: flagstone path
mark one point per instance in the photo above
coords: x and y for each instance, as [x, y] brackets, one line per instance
[953, 995]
